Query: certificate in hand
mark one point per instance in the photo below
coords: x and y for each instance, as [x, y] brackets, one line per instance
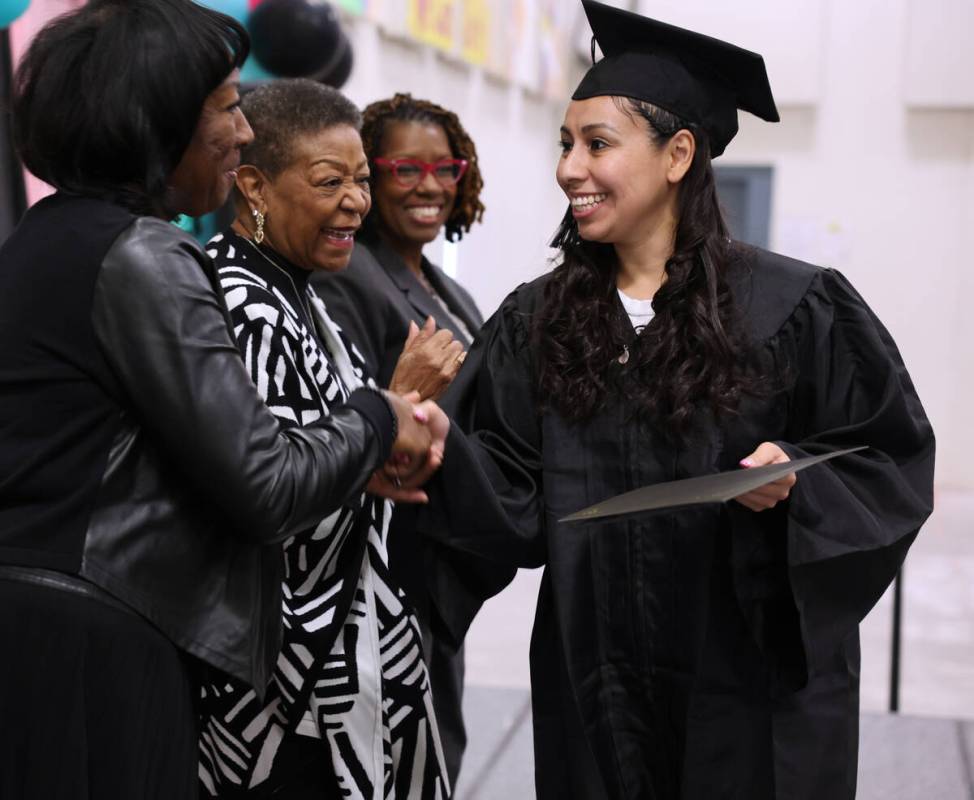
[718, 488]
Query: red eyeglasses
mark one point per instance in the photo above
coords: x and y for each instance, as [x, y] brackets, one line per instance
[411, 172]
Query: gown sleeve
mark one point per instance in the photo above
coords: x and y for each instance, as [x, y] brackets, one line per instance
[487, 499]
[849, 522]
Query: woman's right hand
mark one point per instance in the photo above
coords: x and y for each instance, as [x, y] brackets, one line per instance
[411, 453]
[413, 438]
[417, 452]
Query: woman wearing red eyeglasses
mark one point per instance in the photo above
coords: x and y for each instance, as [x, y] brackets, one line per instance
[392, 301]
[424, 177]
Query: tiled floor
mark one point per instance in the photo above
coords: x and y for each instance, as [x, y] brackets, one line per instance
[901, 757]
[937, 665]
[926, 753]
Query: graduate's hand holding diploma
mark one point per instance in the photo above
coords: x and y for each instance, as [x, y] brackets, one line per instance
[410, 466]
[767, 479]
[769, 495]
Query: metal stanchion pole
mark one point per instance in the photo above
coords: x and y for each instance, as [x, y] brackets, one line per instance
[13, 196]
[894, 663]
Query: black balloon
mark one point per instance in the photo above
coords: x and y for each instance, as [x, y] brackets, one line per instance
[295, 38]
[338, 69]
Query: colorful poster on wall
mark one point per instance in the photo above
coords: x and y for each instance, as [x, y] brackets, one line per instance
[491, 27]
[552, 43]
[433, 22]
[525, 42]
[476, 32]
[358, 8]
[522, 57]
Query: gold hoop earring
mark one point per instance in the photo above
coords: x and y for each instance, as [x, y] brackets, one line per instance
[259, 233]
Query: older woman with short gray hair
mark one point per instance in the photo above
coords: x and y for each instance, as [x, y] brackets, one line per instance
[349, 706]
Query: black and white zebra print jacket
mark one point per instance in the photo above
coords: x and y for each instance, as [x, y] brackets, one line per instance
[351, 670]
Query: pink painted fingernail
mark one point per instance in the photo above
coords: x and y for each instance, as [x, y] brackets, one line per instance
[746, 462]
[420, 416]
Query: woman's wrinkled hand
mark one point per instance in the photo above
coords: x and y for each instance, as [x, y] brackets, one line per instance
[429, 361]
[769, 495]
[407, 470]
[413, 437]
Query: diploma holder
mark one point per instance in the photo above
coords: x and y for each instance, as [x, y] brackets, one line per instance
[717, 488]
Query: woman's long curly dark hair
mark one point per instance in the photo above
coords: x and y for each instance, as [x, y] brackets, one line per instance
[690, 356]
[467, 208]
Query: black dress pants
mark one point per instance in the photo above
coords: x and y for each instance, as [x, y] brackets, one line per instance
[95, 703]
[302, 771]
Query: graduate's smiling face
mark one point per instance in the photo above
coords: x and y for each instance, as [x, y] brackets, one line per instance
[622, 187]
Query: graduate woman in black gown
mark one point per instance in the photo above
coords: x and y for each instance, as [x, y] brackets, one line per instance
[713, 651]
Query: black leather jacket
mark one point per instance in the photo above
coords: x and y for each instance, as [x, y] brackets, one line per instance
[200, 480]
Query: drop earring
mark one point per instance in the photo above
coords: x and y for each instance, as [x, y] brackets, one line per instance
[259, 233]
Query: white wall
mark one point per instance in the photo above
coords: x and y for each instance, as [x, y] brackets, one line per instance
[874, 166]
[870, 182]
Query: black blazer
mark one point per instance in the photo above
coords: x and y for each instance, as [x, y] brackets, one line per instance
[377, 296]
[373, 301]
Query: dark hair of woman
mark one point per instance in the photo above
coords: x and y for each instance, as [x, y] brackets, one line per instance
[404, 108]
[102, 109]
[690, 356]
[282, 111]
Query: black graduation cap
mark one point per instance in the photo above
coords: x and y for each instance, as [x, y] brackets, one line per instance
[700, 79]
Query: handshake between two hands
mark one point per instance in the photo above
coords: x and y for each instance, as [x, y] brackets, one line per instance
[417, 452]
[429, 361]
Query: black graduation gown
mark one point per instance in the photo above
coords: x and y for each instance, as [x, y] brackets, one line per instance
[710, 652]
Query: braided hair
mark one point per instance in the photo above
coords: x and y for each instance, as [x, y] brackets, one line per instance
[467, 208]
[691, 355]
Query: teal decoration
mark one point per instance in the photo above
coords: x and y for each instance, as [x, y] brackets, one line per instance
[11, 9]
[185, 223]
[200, 228]
[252, 71]
[238, 9]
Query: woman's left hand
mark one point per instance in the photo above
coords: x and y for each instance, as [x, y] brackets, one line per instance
[769, 495]
[429, 361]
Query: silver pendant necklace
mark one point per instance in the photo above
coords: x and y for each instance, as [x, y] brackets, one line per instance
[307, 308]
[302, 300]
